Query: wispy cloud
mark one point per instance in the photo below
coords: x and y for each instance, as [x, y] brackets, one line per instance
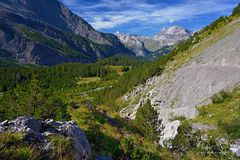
[107, 14]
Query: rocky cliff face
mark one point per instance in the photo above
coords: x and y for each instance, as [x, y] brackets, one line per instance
[46, 32]
[134, 43]
[192, 78]
[37, 133]
[143, 45]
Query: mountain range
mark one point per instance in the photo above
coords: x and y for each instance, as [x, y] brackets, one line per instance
[30, 36]
[145, 45]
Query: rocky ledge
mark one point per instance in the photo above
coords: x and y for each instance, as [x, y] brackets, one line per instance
[38, 132]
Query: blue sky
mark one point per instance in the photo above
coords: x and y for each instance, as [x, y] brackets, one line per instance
[148, 17]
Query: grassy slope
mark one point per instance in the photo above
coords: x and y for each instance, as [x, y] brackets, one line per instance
[39, 37]
[226, 111]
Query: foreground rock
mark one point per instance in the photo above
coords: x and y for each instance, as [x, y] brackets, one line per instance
[38, 132]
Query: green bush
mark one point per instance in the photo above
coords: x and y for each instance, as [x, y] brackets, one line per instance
[216, 149]
[221, 97]
[185, 139]
[188, 142]
[202, 111]
[130, 150]
[217, 23]
[231, 128]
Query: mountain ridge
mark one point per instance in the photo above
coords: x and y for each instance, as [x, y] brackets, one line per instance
[145, 45]
[73, 39]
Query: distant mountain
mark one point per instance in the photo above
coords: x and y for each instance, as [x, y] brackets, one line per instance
[135, 43]
[144, 46]
[46, 32]
[172, 35]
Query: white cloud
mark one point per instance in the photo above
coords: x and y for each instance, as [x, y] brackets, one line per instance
[108, 14]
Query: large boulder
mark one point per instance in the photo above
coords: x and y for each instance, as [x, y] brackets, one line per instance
[37, 132]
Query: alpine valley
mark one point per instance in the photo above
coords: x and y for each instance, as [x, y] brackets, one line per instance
[70, 92]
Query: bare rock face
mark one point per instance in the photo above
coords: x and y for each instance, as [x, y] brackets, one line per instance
[37, 132]
[134, 43]
[179, 92]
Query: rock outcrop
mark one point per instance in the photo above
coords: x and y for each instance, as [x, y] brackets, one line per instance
[37, 132]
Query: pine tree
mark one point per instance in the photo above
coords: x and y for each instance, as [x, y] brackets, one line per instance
[148, 123]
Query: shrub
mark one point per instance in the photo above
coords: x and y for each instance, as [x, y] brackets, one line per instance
[221, 97]
[202, 111]
[188, 143]
[185, 139]
[216, 149]
[148, 123]
[231, 128]
[131, 150]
